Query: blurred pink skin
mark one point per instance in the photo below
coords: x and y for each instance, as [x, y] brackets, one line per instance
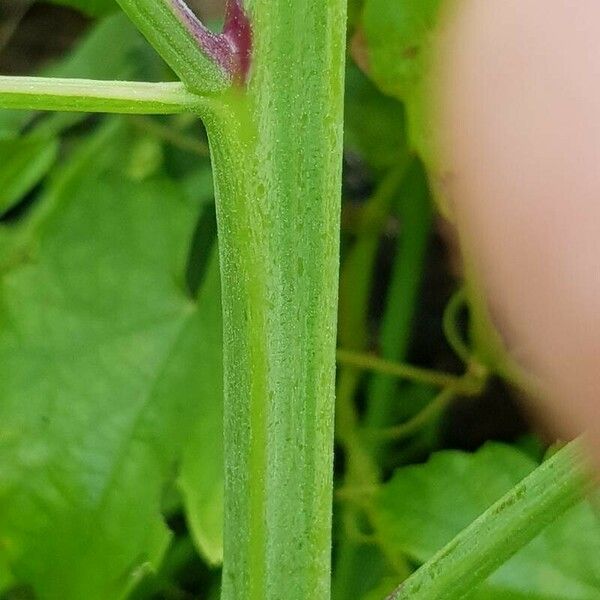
[520, 115]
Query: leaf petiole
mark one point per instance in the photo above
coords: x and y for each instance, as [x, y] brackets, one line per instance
[87, 95]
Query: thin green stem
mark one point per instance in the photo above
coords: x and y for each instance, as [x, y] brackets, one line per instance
[355, 290]
[357, 270]
[489, 352]
[415, 213]
[86, 95]
[502, 530]
[412, 426]
[360, 470]
[370, 362]
[451, 328]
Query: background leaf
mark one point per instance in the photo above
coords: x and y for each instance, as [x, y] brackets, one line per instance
[112, 50]
[24, 162]
[98, 381]
[374, 124]
[94, 8]
[397, 36]
[201, 478]
[396, 41]
[423, 507]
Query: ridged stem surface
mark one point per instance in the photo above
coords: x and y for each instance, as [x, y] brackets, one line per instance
[277, 156]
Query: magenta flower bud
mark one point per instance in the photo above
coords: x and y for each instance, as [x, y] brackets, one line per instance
[232, 48]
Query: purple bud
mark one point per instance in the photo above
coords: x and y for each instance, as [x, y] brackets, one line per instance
[231, 49]
[238, 32]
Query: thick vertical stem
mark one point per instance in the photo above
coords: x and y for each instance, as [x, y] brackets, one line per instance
[277, 157]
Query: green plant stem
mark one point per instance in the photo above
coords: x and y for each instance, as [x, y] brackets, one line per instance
[355, 291]
[356, 276]
[500, 532]
[373, 363]
[277, 149]
[427, 414]
[159, 23]
[84, 95]
[451, 326]
[416, 216]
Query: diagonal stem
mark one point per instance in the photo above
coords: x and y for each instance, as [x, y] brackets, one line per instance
[172, 36]
[502, 530]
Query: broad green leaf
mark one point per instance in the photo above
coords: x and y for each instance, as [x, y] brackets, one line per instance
[201, 478]
[198, 185]
[12, 121]
[94, 8]
[146, 158]
[24, 162]
[374, 124]
[99, 390]
[6, 580]
[423, 507]
[354, 10]
[113, 49]
[397, 37]
[398, 40]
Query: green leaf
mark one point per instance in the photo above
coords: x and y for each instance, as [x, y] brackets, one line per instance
[423, 508]
[201, 478]
[113, 49]
[12, 121]
[24, 162]
[354, 10]
[99, 390]
[374, 124]
[397, 37]
[94, 8]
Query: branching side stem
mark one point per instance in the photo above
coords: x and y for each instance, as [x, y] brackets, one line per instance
[86, 95]
[160, 22]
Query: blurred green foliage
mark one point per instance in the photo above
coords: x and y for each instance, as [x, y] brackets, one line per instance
[93, 8]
